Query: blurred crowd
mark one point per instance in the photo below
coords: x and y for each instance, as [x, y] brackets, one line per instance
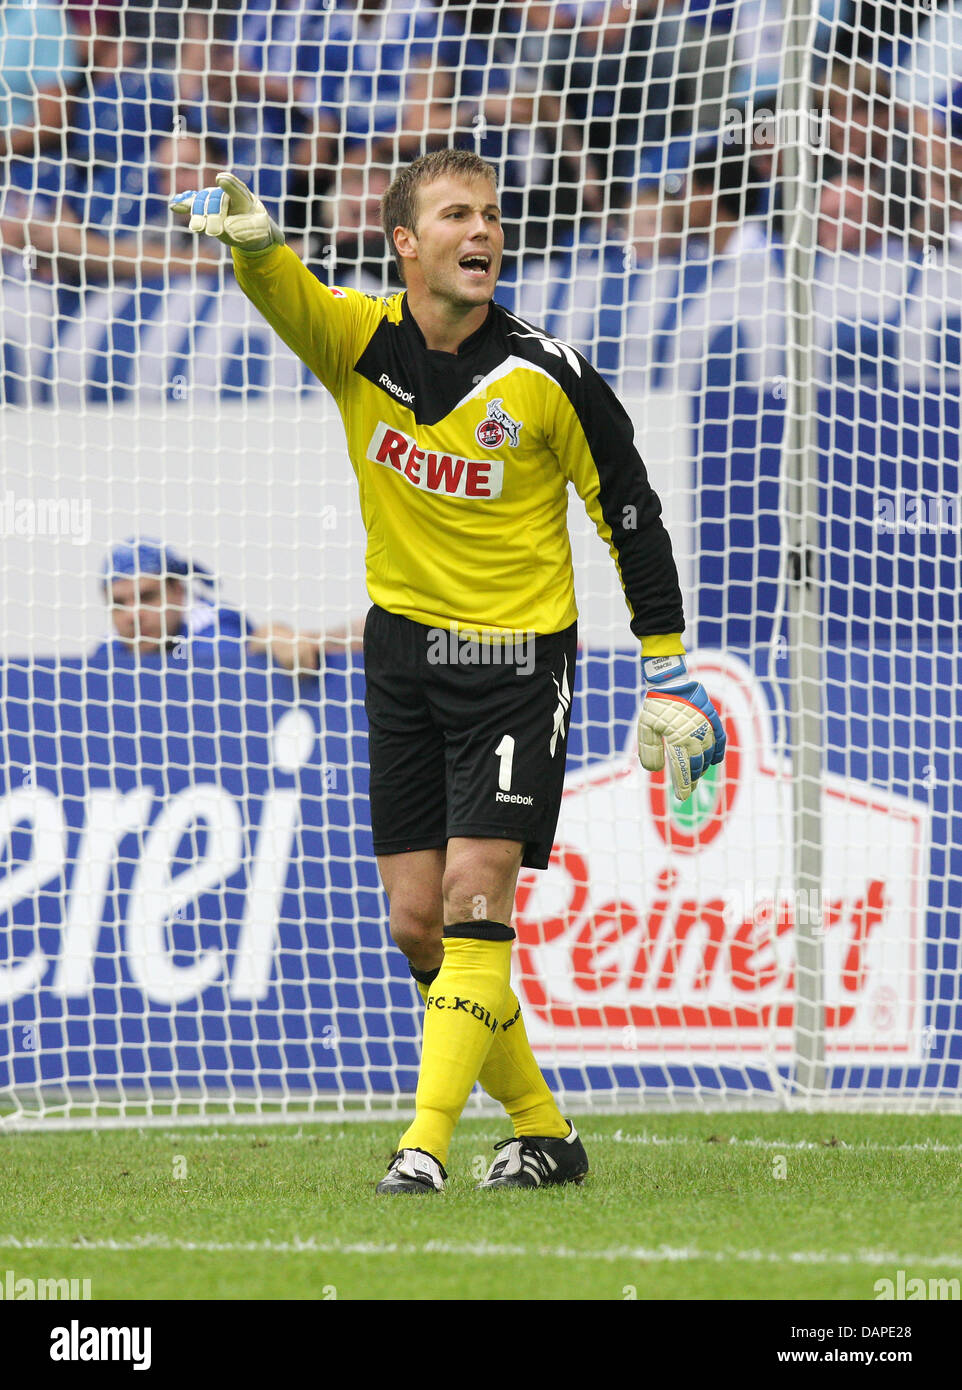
[638, 143]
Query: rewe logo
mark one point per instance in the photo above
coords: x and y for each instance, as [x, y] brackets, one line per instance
[431, 471]
[641, 928]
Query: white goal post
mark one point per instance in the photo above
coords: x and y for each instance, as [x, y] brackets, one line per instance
[747, 217]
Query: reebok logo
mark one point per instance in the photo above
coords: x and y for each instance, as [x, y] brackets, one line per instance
[516, 800]
[406, 396]
[447, 475]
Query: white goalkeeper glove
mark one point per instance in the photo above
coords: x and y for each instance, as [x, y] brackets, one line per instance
[677, 716]
[231, 213]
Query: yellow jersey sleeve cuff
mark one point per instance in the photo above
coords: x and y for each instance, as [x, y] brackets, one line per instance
[240, 257]
[671, 645]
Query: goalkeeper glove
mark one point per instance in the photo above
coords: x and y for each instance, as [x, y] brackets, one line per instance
[231, 213]
[676, 713]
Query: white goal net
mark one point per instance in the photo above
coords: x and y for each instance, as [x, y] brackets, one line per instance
[745, 214]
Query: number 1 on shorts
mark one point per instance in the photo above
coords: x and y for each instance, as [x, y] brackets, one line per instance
[505, 751]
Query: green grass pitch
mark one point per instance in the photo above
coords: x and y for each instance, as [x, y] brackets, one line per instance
[683, 1206]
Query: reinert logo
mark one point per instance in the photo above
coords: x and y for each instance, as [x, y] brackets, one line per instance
[76, 1343]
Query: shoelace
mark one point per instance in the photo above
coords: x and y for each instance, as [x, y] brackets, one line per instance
[422, 1178]
[527, 1150]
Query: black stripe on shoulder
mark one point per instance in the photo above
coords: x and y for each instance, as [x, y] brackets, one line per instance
[552, 354]
[630, 506]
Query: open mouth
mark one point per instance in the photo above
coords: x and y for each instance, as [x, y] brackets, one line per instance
[477, 264]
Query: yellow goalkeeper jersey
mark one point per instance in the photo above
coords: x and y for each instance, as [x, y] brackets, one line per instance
[463, 460]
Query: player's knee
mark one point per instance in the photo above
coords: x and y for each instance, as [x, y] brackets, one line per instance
[479, 890]
[415, 933]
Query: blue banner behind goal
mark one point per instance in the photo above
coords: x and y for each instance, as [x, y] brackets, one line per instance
[192, 908]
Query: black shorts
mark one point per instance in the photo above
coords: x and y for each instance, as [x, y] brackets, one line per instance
[464, 749]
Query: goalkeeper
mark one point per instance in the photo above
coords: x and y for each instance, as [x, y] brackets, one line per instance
[464, 427]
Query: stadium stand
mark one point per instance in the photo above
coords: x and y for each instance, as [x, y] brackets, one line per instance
[655, 281]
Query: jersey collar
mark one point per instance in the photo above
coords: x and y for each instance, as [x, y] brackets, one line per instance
[465, 349]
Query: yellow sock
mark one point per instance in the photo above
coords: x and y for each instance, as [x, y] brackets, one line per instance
[511, 1075]
[465, 1010]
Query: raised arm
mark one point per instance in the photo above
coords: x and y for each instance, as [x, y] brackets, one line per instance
[315, 322]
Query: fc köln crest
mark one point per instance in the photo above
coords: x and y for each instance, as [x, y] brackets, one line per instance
[496, 427]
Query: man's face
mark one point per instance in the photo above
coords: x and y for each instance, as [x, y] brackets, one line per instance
[147, 611]
[849, 124]
[180, 164]
[655, 227]
[843, 223]
[459, 241]
[698, 207]
[357, 214]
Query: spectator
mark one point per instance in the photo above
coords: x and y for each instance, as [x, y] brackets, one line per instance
[223, 92]
[88, 219]
[429, 117]
[123, 105]
[114, 228]
[559, 291]
[759, 43]
[563, 291]
[718, 196]
[33, 187]
[865, 134]
[605, 99]
[626, 85]
[863, 281]
[164, 24]
[929, 64]
[162, 604]
[766, 128]
[851, 215]
[654, 224]
[40, 64]
[880, 32]
[353, 252]
[938, 156]
[709, 311]
[351, 63]
[91, 17]
[512, 114]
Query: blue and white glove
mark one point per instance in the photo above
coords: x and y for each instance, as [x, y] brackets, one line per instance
[231, 213]
[677, 715]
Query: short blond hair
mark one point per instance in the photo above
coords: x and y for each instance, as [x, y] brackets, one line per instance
[399, 206]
